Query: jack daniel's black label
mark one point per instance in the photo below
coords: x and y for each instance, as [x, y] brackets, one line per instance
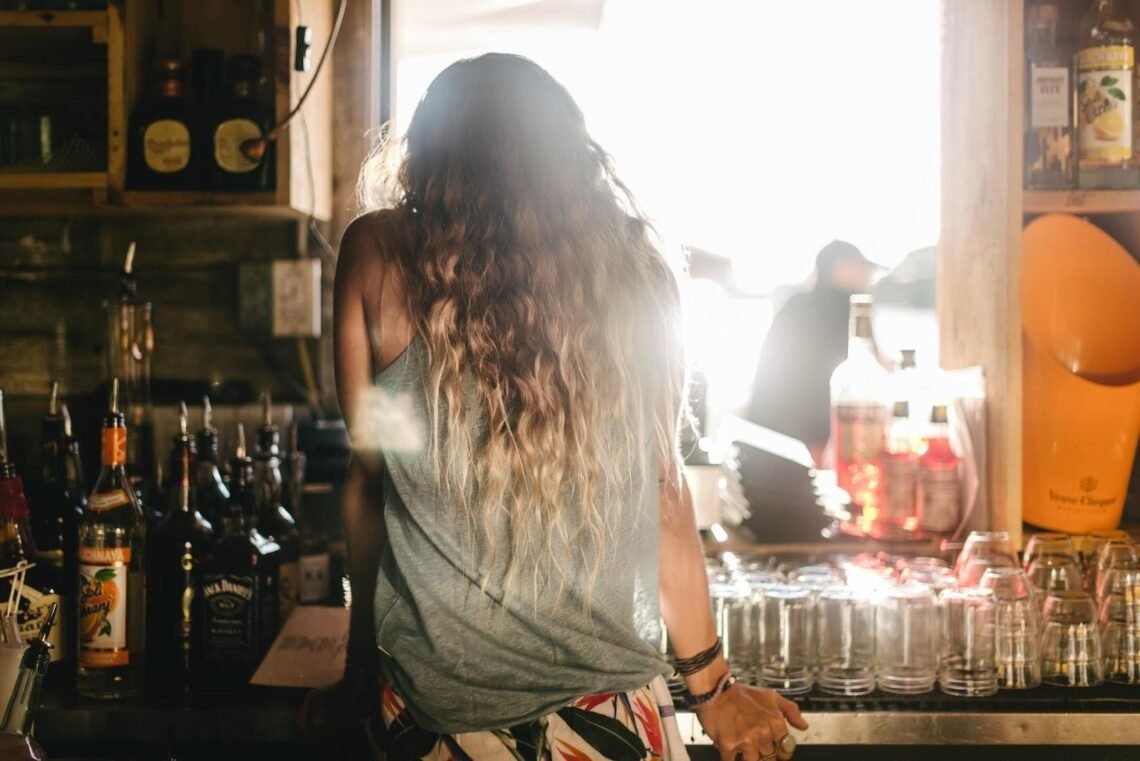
[229, 616]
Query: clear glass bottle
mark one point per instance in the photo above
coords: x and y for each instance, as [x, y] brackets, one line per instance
[859, 414]
[1105, 73]
[1049, 150]
[273, 520]
[939, 494]
[112, 559]
[176, 550]
[900, 468]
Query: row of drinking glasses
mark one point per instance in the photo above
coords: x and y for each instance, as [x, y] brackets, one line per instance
[905, 623]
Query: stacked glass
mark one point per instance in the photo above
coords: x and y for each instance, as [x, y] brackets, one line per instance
[1017, 628]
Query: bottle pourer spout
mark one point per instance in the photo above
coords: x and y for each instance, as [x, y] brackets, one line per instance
[129, 264]
[114, 400]
[53, 399]
[266, 409]
[240, 452]
[183, 419]
[207, 414]
[66, 414]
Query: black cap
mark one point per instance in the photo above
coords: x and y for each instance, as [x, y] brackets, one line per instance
[838, 251]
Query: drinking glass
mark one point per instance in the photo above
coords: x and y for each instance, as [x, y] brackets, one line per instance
[846, 624]
[1111, 575]
[1071, 654]
[906, 639]
[968, 662]
[732, 609]
[1054, 573]
[1049, 544]
[1120, 618]
[784, 634]
[1017, 628]
[987, 548]
[1111, 553]
[1090, 552]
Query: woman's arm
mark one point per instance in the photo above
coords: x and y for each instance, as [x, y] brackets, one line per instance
[742, 721]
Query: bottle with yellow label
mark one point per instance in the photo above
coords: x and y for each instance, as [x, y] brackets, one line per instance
[1104, 83]
[160, 151]
[112, 592]
[241, 117]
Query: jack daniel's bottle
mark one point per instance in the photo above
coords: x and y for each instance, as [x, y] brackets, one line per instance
[160, 150]
[237, 596]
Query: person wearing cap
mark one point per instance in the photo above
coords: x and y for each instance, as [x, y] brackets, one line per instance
[807, 341]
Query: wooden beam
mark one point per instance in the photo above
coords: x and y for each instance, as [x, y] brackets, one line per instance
[979, 253]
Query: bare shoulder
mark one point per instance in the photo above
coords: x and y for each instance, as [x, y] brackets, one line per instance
[370, 246]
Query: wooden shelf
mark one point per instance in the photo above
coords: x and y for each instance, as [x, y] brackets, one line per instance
[158, 200]
[1081, 201]
[52, 180]
[55, 19]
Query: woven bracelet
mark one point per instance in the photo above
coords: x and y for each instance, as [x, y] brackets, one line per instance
[722, 686]
[690, 666]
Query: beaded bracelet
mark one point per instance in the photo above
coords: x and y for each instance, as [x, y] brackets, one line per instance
[690, 666]
[722, 686]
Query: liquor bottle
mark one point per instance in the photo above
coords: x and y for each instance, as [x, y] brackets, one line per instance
[273, 520]
[241, 117]
[175, 552]
[55, 515]
[16, 741]
[129, 343]
[939, 498]
[238, 596]
[900, 468]
[1049, 163]
[212, 492]
[161, 155]
[112, 557]
[73, 464]
[859, 414]
[314, 589]
[1105, 106]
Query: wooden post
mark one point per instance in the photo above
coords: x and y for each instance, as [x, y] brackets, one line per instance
[979, 253]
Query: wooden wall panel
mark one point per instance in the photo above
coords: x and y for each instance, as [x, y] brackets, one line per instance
[979, 252]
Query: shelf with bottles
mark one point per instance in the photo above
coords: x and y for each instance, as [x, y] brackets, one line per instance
[95, 20]
[1081, 201]
[196, 91]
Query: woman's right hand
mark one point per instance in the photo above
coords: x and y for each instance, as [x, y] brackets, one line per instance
[749, 723]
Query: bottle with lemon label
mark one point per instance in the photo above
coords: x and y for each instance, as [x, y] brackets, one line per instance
[1104, 84]
[111, 605]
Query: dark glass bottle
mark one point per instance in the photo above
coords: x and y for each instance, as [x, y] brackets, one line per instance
[314, 563]
[56, 511]
[238, 596]
[176, 550]
[212, 492]
[112, 559]
[160, 151]
[273, 520]
[238, 118]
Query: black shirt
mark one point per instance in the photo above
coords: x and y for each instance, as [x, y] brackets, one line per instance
[807, 341]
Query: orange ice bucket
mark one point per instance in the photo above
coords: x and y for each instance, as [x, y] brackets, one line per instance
[1080, 309]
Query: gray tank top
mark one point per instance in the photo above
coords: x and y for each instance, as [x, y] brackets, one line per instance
[463, 657]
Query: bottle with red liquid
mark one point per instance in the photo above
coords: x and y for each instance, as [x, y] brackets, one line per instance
[939, 494]
[859, 414]
[900, 468]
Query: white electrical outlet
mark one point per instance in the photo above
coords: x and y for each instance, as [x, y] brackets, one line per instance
[297, 298]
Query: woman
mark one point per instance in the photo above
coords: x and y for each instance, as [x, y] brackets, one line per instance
[509, 364]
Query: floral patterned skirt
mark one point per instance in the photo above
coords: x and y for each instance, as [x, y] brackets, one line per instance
[638, 725]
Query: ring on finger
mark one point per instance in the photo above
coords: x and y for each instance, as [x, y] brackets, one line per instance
[768, 757]
[787, 745]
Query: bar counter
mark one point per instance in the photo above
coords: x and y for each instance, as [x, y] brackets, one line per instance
[267, 717]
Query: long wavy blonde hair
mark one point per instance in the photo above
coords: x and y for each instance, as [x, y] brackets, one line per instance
[533, 278]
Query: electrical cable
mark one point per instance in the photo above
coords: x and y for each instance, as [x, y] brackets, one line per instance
[254, 149]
